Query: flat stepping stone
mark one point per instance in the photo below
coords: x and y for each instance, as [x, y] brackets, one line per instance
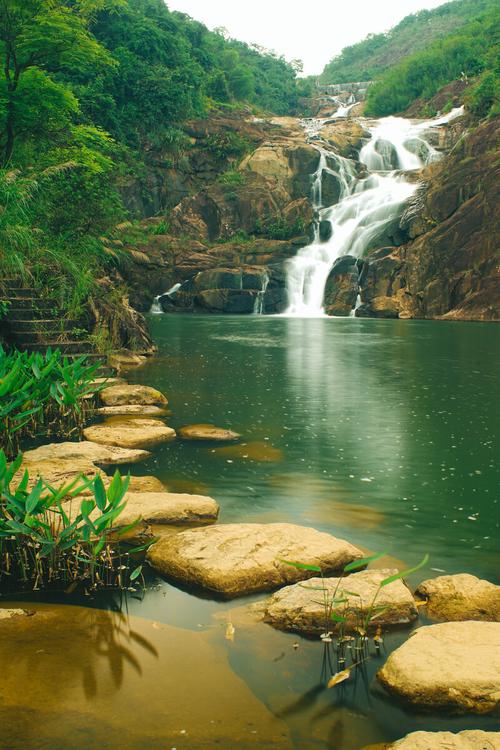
[168, 508]
[106, 455]
[470, 739]
[300, 608]
[452, 665]
[206, 432]
[130, 433]
[11, 614]
[143, 395]
[460, 597]
[134, 410]
[237, 559]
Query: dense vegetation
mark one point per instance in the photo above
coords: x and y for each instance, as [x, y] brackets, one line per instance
[378, 53]
[472, 53]
[87, 88]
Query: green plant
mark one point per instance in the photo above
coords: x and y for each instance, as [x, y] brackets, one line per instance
[280, 229]
[4, 308]
[46, 541]
[231, 178]
[162, 227]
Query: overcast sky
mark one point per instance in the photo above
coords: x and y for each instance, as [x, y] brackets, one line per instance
[313, 31]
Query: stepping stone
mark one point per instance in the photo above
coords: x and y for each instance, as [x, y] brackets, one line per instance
[471, 739]
[168, 508]
[300, 608]
[236, 559]
[10, 614]
[130, 433]
[143, 395]
[460, 597]
[133, 410]
[206, 432]
[106, 455]
[452, 665]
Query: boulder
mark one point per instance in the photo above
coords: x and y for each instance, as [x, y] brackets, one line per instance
[233, 301]
[346, 137]
[471, 739]
[133, 410]
[325, 230]
[206, 432]
[168, 508]
[237, 559]
[86, 450]
[453, 666]
[143, 395]
[461, 597]
[10, 614]
[130, 433]
[342, 287]
[300, 608]
[125, 359]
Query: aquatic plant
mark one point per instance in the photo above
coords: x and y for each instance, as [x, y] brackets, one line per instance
[42, 393]
[57, 537]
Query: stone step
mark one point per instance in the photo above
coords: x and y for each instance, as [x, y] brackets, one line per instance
[68, 347]
[23, 309]
[20, 292]
[30, 325]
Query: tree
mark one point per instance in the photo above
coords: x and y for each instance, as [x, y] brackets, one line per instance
[40, 38]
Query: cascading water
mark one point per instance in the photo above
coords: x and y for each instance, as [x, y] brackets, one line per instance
[366, 206]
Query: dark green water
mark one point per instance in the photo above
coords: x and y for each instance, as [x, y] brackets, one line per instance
[381, 432]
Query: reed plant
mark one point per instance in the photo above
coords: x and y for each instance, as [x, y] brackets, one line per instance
[54, 537]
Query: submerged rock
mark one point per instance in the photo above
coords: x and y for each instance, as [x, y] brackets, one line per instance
[473, 739]
[168, 508]
[237, 559]
[461, 597]
[206, 432]
[300, 607]
[119, 395]
[130, 433]
[453, 666]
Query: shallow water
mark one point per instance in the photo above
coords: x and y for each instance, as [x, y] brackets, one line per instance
[382, 432]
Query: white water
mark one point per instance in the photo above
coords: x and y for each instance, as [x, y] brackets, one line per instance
[367, 205]
[156, 308]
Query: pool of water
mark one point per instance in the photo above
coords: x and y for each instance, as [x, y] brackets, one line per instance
[381, 432]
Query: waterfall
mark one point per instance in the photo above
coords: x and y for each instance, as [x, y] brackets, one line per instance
[259, 298]
[367, 205]
[156, 308]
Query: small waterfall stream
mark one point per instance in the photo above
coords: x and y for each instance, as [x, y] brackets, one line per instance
[367, 204]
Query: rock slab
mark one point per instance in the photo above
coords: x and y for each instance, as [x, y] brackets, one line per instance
[86, 450]
[130, 433]
[300, 607]
[237, 559]
[452, 665]
[142, 395]
[168, 508]
[461, 597]
[473, 739]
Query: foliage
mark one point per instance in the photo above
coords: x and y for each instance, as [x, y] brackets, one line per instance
[471, 51]
[227, 145]
[231, 178]
[43, 393]
[46, 541]
[378, 53]
[280, 229]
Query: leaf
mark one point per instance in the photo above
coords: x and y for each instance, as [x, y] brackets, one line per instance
[136, 573]
[339, 677]
[357, 564]
[404, 573]
[302, 566]
[99, 493]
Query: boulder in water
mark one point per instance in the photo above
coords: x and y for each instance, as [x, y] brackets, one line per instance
[143, 395]
[207, 432]
[325, 230]
[470, 739]
[461, 597]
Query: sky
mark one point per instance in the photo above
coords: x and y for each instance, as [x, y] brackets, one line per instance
[312, 32]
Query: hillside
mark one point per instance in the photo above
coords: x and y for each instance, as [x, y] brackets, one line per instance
[377, 53]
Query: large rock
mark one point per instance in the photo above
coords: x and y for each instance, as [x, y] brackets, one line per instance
[461, 597]
[453, 666]
[130, 433]
[86, 450]
[118, 395]
[346, 136]
[131, 410]
[169, 508]
[471, 739]
[236, 559]
[300, 607]
[341, 291]
[207, 432]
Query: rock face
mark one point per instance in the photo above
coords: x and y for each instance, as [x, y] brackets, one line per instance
[342, 286]
[461, 597]
[143, 395]
[237, 559]
[86, 450]
[169, 508]
[130, 433]
[300, 608]
[453, 666]
[473, 739]
[207, 432]
[346, 136]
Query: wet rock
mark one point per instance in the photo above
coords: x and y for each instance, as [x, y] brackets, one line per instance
[346, 137]
[168, 508]
[12, 614]
[330, 188]
[206, 432]
[227, 301]
[325, 230]
[288, 164]
[461, 597]
[87, 450]
[300, 608]
[133, 410]
[143, 395]
[130, 433]
[125, 359]
[237, 559]
[453, 666]
[472, 739]
[342, 287]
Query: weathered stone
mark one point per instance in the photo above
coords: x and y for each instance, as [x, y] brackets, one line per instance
[119, 395]
[134, 410]
[168, 508]
[10, 614]
[471, 739]
[342, 286]
[130, 433]
[461, 597]
[346, 137]
[237, 559]
[227, 300]
[145, 484]
[325, 230]
[86, 450]
[453, 666]
[124, 359]
[206, 432]
[300, 608]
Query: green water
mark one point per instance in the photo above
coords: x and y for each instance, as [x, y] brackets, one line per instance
[381, 432]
